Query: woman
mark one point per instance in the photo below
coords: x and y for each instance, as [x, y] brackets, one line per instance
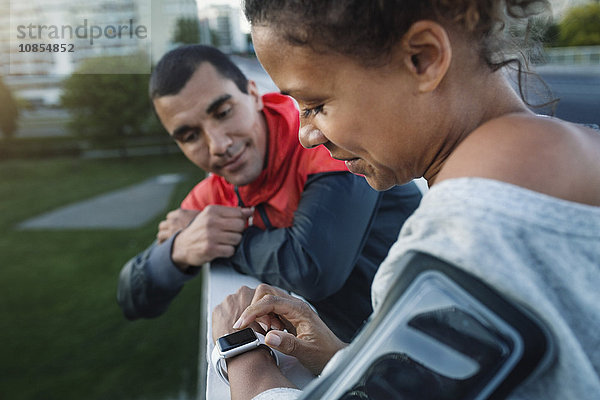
[406, 89]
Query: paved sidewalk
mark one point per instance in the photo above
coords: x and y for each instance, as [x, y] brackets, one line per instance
[126, 208]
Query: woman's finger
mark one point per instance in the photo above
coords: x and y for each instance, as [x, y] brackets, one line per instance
[291, 309]
[263, 289]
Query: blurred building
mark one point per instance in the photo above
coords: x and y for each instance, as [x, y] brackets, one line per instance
[84, 28]
[94, 28]
[223, 23]
[165, 15]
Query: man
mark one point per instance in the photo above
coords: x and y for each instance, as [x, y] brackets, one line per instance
[292, 217]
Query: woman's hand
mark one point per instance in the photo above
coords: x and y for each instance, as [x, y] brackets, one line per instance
[307, 337]
[252, 372]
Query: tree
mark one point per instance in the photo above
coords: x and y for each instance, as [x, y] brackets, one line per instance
[581, 26]
[107, 106]
[9, 112]
[551, 34]
[187, 31]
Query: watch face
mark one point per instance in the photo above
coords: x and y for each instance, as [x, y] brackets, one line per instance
[236, 339]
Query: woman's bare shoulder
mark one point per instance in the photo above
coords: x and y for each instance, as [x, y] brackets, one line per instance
[539, 153]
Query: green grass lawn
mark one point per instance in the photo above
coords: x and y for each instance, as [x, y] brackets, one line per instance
[62, 335]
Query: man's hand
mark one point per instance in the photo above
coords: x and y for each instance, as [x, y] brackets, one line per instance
[214, 233]
[307, 337]
[175, 221]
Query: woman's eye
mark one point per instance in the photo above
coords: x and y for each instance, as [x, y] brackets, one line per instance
[190, 137]
[307, 112]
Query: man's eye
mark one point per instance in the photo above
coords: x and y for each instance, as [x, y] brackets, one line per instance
[222, 113]
[307, 112]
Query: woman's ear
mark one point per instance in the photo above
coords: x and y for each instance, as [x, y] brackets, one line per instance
[427, 54]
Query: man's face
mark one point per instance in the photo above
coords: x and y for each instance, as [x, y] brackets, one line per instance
[219, 128]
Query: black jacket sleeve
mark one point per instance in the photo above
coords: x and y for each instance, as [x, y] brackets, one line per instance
[150, 281]
[314, 256]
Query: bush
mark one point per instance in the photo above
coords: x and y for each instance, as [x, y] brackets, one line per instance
[9, 112]
[107, 105]
[581, 26]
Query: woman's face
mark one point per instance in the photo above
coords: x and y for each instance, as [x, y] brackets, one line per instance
[365, 116]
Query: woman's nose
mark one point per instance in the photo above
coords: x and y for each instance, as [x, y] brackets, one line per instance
[310, 136]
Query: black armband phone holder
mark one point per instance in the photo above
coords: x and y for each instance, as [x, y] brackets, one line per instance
[441, 333]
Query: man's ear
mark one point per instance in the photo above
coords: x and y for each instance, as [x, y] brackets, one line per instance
[427, 53]
[253, 91]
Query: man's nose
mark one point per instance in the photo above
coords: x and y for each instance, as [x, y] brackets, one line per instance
[218, 142]
[311, 137]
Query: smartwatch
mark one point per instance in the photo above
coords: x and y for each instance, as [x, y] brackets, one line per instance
[234, 344]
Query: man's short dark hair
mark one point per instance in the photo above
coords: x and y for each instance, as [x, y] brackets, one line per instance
[176, 67]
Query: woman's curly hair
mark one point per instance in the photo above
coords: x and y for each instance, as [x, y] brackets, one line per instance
[367, 30]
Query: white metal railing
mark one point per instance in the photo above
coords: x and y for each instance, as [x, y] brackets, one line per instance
[581, 55]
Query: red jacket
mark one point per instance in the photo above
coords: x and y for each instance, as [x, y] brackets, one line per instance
[279, 187]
